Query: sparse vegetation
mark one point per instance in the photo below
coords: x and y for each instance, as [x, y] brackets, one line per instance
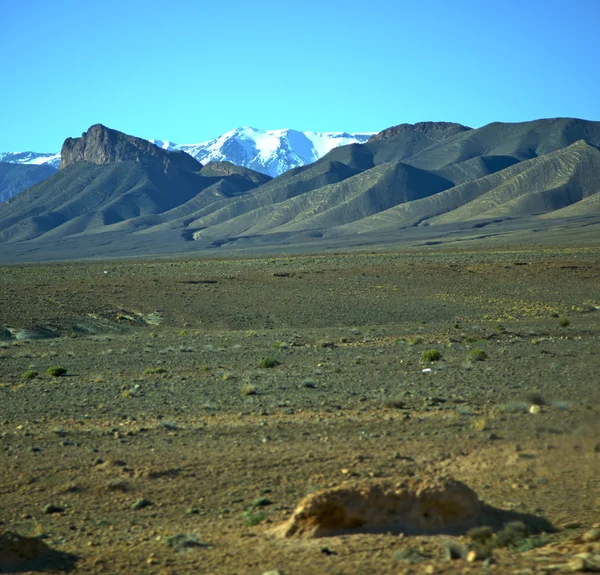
[268, 362]
[30, 374]
[478, 354]
[253, 518]
[248, 389]
[57, 371]
[155, 370]
[413, 341]
[564, 322]
[430, 355]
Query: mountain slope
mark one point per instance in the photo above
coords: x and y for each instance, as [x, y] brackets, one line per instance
[15, 178]
[542, 184]
[107, 179]
[120, 191]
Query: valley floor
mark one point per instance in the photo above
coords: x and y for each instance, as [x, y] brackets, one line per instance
[204, 398]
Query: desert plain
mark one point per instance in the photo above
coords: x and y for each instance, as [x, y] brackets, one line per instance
[201, 399]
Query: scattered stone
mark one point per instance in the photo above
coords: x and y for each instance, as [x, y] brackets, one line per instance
[572, 525]
[409, 555]
[141, 503]
[535, 409]
[416, 506]
[50, 508]
[34, 333]
[591, 536]
[453, 551]
[181, 542]
[274, 572]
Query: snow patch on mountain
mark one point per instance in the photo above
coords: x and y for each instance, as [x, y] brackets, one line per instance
[31, 158]
[271, 152]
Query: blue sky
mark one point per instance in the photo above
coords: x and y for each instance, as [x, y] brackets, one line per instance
[190, 70]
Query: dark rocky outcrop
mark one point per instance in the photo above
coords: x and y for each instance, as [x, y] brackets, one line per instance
[101, 145]
[439, 128]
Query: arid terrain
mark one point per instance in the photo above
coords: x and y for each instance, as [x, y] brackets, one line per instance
[201, 400]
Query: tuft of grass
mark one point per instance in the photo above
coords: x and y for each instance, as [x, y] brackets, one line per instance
[394, 403]
[57, 371]
[30, 374]
[117, 485]
[478, 354]
[480, 534]
[261, 502]
[155, 370]
[413, 341]
[481, 424]
[563, 322]
[268, 362]
[248, 389]
[253, 518]
[431, 355]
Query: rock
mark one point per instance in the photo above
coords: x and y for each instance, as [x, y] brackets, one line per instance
[409, 555]
[274, 572]
[572, 525]
[101, 145]
[18, 554]
[577, 564]
[453, 551]
[5, 333]
[141, 503]
[591, 536]
[413, 507]
[50, 508]
[34, 333]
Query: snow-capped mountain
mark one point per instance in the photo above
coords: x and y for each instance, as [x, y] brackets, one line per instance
[271, 152]
[51, 159]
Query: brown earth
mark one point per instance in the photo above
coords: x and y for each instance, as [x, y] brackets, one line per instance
[165, 404]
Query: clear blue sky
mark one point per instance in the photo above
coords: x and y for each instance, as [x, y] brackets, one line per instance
[190, 70]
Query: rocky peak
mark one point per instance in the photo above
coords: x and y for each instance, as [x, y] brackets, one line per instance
[101, 145]
[431, 128]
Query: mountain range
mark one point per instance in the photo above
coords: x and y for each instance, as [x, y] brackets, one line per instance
[271, 152]
[119, 195]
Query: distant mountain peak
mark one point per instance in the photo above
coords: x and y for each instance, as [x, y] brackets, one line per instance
[271, 152]
[102, 145]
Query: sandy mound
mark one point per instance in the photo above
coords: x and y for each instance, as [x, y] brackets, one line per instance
[438, 506]
[18, 553]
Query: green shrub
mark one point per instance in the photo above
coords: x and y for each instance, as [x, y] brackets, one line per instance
[478, 354]
[57, 371]
[414, 341]
[30, 374]
[153, 370]
[267, 362]
[252, 518]
[248, 389]
[431, 355]
[564, 322]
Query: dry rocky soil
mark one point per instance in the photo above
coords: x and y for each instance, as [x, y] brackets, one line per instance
[203, 400]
